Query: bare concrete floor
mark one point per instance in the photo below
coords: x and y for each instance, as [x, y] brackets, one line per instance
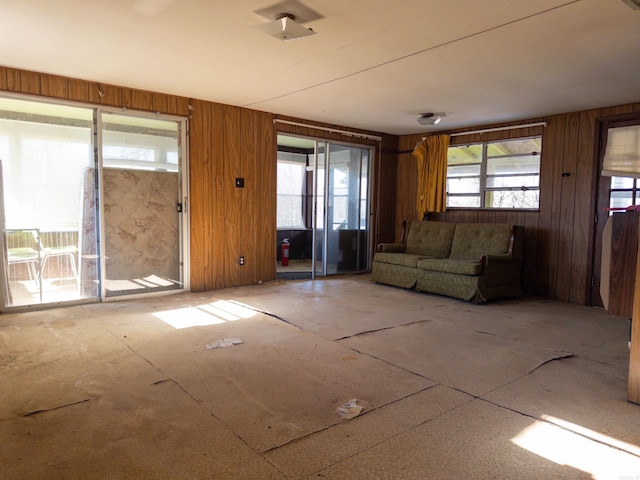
[513, 389]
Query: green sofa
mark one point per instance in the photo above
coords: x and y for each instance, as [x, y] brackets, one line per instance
[471, 261]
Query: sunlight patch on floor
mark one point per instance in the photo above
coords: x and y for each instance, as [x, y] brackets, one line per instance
[566, 443]
[220, 311]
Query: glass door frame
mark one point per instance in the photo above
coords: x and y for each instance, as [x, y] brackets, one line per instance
[323, 202]
[183, 185]
[317, 203]
[603, 196]
[184, 221]
[4, 299]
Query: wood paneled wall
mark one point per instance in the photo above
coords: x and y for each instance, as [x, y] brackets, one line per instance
[558, 254]
[225, 143]
[228, 222]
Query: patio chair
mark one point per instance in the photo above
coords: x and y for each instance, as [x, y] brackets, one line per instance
[22, 249]
[50, 247]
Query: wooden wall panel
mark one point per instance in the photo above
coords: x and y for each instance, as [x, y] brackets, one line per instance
[248, 197]
[109, 95]
[13, 80]
[233, 196]
[141, 100]
[197, 190]
[563, 231]
[181, 105]
[160, 102]
[30, 83]
[585, 210]
[53, 86]
[385, 191]
[406, 182]
[266, 171]
[217, 187]
[78, 90]
[126, 95]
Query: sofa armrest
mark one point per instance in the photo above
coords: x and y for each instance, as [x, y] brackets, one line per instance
[501, 269]
[501, 259]
[498, 262]
[391, 247]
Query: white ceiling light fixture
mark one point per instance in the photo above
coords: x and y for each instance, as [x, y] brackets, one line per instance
[285, 28]
[430, 118]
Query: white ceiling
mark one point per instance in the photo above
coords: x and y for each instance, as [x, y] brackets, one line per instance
[373, 64]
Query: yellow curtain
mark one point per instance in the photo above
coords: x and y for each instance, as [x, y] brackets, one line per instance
[432, 174]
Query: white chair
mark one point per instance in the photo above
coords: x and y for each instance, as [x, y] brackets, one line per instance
[23, 249]
[50, 248]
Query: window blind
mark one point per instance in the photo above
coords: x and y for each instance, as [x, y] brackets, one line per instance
[622, 154]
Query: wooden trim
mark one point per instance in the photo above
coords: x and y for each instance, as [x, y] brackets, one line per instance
[405, 225]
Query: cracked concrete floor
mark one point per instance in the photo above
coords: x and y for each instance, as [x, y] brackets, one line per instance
[524, 388]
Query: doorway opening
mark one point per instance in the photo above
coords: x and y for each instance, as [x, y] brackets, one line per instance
[323, 207]
[615, 192]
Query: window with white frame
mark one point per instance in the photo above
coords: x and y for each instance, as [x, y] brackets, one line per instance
[290, 191]
[624, 192]
[497, 174]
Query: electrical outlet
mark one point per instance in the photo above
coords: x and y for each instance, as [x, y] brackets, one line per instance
[241, 260]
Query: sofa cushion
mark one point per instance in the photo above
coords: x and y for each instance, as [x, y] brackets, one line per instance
[404, 259]
[472, 240]
[461, 267]
[431, 239]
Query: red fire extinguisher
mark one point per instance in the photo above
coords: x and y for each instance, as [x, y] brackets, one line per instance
[285, 252]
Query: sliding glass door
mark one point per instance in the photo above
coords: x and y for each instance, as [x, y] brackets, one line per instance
[48, 219]
[91, 203]
[342, 208]
[142, 204]
[337, 175]
[319, 260]
[347, 208]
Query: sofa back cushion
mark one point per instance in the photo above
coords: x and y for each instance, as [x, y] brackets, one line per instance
[432, 239]
[472, 240]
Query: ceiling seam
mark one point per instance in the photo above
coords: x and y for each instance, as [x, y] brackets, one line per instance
[409, 55]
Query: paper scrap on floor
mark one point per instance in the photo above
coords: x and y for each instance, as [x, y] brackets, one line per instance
[224, 342]
[350, 409]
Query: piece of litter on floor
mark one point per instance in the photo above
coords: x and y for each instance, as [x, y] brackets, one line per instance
[224, 342]
[350, 409]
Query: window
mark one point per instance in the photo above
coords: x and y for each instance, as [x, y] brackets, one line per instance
[624, 192]
[622, 155]
[290, 191]
[139, 143]
[502, 174]
[45, 150]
